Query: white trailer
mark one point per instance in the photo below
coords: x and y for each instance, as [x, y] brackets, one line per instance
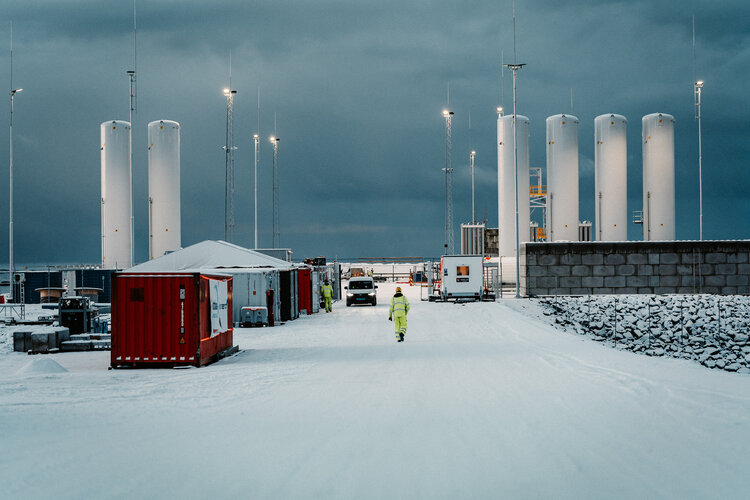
[461, 277]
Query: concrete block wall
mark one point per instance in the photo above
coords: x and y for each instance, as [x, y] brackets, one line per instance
[633, 267]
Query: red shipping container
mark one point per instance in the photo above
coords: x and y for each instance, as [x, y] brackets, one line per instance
[168, 319]
[304, 286]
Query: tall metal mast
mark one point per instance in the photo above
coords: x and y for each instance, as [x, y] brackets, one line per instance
[256, 148]
[473, 212]
[698, 89]
[449, 238]
[276, 232]
[229, 148]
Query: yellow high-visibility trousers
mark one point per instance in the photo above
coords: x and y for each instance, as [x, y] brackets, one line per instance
[399, 323]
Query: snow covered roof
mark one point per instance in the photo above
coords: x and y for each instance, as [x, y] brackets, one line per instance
[210, 254]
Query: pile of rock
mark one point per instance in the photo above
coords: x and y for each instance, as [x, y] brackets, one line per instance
[710, 329]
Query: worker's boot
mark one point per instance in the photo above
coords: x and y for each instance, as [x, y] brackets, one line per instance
[401, 337]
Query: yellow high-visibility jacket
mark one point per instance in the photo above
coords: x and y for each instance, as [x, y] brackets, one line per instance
[399, 305]
[326, 291]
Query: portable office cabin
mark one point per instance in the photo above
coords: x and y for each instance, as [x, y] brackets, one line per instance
[462, 276]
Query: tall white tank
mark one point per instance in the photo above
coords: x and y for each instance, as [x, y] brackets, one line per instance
[562, 178]
[611, 178]
[505, 184]
[658, 177]
[164, 187]
[116, 195]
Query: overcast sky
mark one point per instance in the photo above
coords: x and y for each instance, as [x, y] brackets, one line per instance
[358, 87]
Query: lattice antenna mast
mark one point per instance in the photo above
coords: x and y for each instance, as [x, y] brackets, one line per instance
[449, 238]
[229, 149]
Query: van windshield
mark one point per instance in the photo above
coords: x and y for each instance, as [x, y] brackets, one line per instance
[360, 285]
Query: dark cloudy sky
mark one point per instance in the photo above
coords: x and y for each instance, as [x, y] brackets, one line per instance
[358, 87]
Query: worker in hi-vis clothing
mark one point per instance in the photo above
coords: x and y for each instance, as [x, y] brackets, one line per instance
[327, 292]
[399, 310]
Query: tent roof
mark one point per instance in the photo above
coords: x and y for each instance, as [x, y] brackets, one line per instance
[211, 254]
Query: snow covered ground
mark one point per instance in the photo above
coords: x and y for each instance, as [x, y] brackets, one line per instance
[481, 401]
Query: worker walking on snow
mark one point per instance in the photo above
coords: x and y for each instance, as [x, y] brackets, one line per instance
[327, 292]
[399, 309]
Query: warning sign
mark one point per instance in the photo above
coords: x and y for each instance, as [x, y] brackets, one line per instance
[182, 340]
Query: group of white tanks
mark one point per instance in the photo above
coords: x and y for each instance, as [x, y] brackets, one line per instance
[163, 191]
[610, 160]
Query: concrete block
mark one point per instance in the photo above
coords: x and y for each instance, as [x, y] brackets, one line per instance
[580, 291]
[738, 280]
[603, 291]
[614, 281]
[685, 269]
[547, 281]
[530, 282]
[686, 289]
[689, 280]
[673, 281]
[559, 291]
[692, 258]
[666, 270]
[653, 258]
[625, 270]
[638, 281]
[592, 259]
[653, 281]
[645, 270]
[729, 290]
[738, 258]
[663, 290]
[604, 270]
[715, 280]
[592, 281]
[716, 258]
[570, 282]
[21, 341]
[614, 259]
[626, 290]
[743, 269]
[725, 268]
[705, 269]
[547, 260]
[43, 341]
[570, 259]
[536, 271]
[710, 289]
[531, 260]
[559, 270]
[669, 258]
[645, 290]
[743, 290]
[580, 271]
[637, 258]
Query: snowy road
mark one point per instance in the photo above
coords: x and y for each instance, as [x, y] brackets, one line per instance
[481, 401]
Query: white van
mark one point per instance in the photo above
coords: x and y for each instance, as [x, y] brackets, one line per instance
[461, 277]
[361, 290]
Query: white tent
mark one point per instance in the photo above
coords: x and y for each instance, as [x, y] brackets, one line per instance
[210, 255]
[253, 273]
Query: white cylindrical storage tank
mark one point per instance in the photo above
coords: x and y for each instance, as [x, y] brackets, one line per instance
[116, 195]
[164, 187]
[658, 177]
[611, 178]
[505, 184]
[562, 178]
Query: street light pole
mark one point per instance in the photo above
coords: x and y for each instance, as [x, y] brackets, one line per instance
[473, 213]
[256, 141]
[515, 68]
[10, 212]
[698, 91]
[276, 231]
